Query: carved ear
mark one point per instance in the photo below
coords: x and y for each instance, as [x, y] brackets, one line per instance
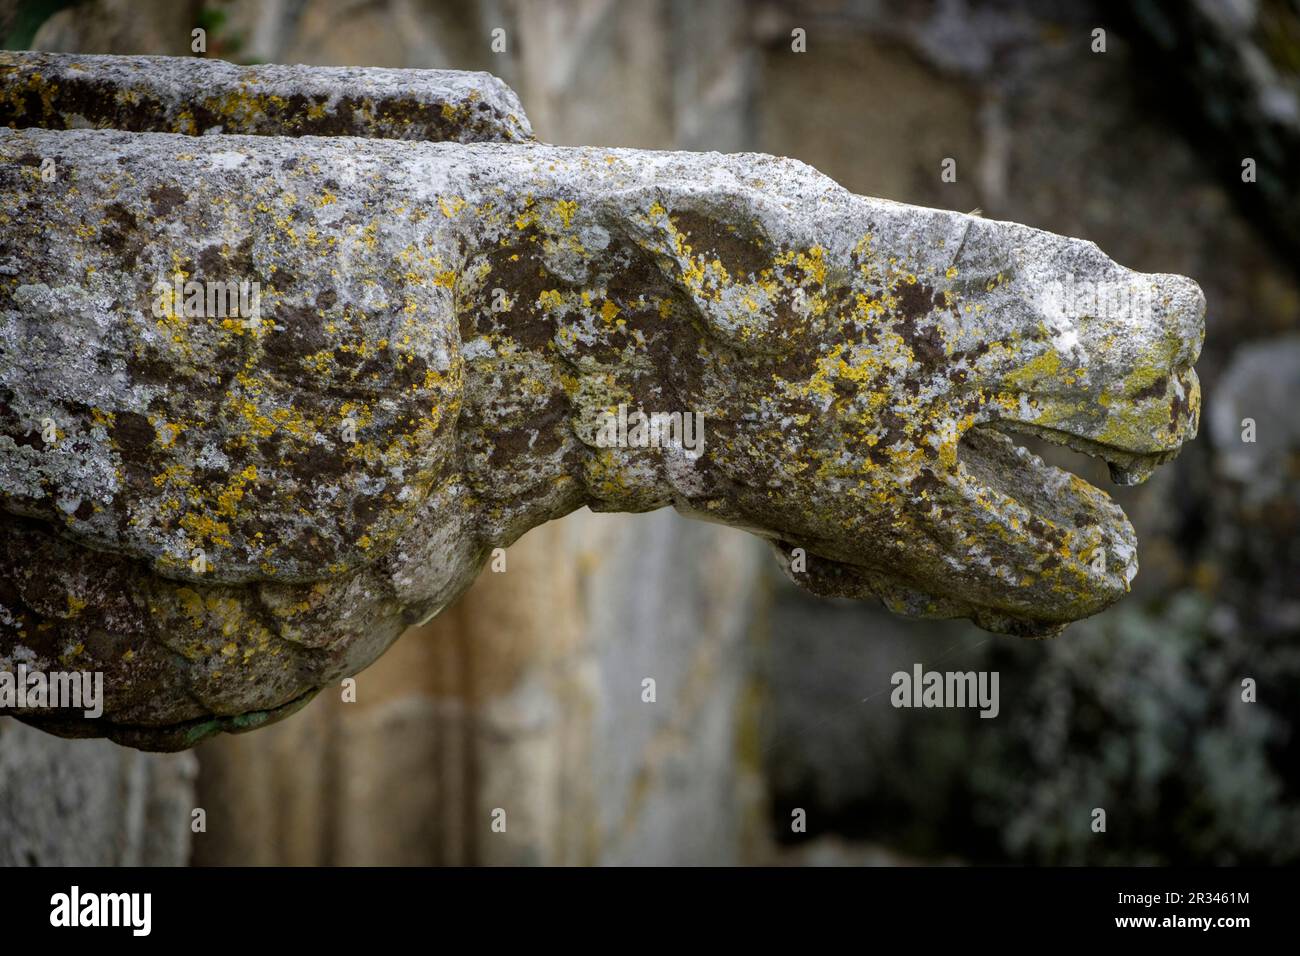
[714, 250]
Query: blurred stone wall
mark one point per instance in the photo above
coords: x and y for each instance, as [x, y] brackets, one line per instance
[90, 802]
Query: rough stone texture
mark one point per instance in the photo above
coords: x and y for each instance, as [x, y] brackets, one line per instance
[90, 803]
[202, 97]
[596, 775]
[290, 793]
[841, 349]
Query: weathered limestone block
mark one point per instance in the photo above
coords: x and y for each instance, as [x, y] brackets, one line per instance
[471, 314]
[202, 97]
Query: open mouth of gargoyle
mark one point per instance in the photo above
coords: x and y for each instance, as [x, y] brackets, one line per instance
[1053, 506]
[1022, 539]
[1000, 454]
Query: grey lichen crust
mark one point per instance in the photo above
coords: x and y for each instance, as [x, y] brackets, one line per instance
[468, 313]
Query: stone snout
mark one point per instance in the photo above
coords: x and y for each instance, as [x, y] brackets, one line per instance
[1113, 377]
[932, 505]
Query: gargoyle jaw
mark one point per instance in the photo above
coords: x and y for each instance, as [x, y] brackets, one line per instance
[1066, 547]
[1126, 468]
[826, 577]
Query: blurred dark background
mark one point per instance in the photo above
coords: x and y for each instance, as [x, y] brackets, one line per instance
[526, 695]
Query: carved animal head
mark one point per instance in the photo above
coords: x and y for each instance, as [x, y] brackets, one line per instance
[871, 407]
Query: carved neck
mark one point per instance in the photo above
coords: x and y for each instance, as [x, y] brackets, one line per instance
[540, 440]
[582, 337]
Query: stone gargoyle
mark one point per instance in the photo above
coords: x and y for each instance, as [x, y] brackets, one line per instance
[224, 511]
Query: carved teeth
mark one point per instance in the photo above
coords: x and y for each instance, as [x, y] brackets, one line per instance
[1126, 468]
[1132, 474]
